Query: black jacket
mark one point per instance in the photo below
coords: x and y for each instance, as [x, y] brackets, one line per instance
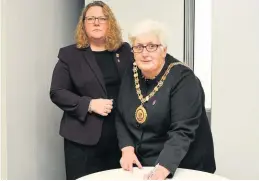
[177, 132]
[76, 80]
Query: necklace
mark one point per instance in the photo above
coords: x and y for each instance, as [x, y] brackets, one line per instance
[141, 113]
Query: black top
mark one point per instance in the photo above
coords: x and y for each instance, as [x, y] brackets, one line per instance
[110, 73]
[176, 132]
[111, 78]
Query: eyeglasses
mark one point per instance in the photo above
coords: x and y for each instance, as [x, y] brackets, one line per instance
[149, 48]
[91, 19]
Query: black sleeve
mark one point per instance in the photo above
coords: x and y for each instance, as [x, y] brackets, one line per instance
[124, 137]
[123, 134]
[61, 93]
[186, 109]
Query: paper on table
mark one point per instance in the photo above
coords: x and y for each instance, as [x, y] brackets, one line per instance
[136, 174]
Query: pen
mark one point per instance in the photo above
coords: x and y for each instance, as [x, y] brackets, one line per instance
[152, 171]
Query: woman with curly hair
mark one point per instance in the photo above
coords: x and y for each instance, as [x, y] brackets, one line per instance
[85, 85]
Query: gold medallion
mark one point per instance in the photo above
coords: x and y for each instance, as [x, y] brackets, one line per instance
[141, 114]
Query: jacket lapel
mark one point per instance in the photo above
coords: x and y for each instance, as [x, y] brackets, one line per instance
[90, 59]
[116, 58]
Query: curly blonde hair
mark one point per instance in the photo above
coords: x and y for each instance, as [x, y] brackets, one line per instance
[113, 36]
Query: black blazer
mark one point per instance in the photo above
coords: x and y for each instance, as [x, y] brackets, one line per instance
[176, 132]
[76, 80]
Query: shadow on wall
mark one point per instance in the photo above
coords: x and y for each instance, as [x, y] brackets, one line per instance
[208, 112]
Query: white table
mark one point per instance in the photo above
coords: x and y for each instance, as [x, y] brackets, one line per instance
[137, 174]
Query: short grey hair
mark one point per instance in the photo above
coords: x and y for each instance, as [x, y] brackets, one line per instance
[149, 26]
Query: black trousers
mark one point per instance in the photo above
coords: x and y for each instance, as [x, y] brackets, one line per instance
[82, 160]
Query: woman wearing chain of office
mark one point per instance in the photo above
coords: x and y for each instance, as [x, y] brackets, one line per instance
[161, 114]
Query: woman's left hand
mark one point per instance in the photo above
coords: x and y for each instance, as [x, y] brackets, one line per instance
[160, 173]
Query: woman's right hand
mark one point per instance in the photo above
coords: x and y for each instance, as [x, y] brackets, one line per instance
[129, 158]
[101, 106]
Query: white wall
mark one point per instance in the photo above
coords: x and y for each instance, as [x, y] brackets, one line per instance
[2, 108]
[33, 31]
[235, 87]
[202, 46]
[171, 13]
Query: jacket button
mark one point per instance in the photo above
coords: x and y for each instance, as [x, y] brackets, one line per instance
[137, 125]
